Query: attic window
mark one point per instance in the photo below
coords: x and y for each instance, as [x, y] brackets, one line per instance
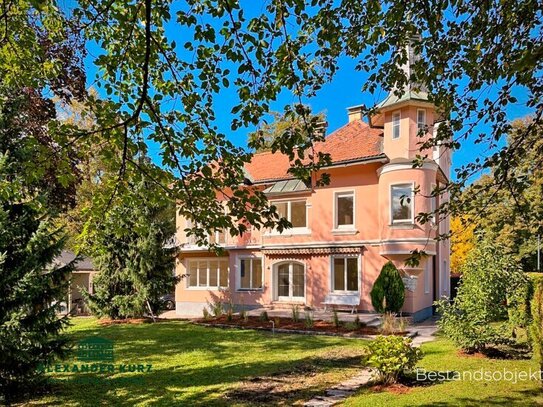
[396, 125]
[421, 119]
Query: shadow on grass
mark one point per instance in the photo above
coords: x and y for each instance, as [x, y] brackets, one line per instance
[516, 399]
[192, 365]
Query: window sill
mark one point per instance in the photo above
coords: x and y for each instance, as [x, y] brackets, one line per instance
[290, 232]
[406, 225]
[344, 231]
[345, 293]
[249, 290]
[205, 288]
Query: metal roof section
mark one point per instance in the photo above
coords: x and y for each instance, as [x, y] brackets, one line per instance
[287, 186]
[393, 99]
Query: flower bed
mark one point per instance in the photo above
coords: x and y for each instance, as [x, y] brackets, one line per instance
[283, 324]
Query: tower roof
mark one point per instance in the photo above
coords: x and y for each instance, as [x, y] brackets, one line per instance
[411, 91]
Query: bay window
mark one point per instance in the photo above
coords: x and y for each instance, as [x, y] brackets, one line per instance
[402, 202]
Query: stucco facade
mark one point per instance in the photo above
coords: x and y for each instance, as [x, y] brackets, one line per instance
[344, 232]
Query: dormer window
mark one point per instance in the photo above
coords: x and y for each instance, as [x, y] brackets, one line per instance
[421, 119]
[396, 125]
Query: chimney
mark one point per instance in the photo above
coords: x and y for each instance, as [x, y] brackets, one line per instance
[355, 112]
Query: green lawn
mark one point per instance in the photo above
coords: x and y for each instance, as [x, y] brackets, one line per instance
[441, 356]
[193, 365]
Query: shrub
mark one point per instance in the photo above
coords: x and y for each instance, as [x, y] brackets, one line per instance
[388, 291]
[295, 313]
[351, 326]
[335, 319]
[358, 323]
[309, 323]
[392, 356]
[205, 312]
[230, 314]
[244, 315]
[519, 303]
[264, 316]
[388, 326]
[488, 277]
[403, 324]
[216, 308]
[536, 329]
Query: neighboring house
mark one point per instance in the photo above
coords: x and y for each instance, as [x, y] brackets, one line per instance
[80, 279]
[343, 233]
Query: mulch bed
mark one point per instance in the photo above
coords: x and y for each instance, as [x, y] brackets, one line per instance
[287, 324]
[130, 321]
[396, 388]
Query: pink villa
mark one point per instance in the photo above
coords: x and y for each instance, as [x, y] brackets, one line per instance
[342, 233]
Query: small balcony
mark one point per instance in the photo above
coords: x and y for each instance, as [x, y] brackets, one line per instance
[249, 238]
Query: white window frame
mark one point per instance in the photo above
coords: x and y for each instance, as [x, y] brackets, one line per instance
[402, 221]
[290, 297]
[427, 275]
[207, 260]
[433, 204]
[420, 125]
[335, 207]
[332, 271]
[238, 273]
[216, 235]
[289, 215]
[396, 114]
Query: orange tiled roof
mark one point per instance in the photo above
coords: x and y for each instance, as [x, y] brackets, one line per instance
[356, 140]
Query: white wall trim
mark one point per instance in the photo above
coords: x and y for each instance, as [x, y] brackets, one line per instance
[406, 166]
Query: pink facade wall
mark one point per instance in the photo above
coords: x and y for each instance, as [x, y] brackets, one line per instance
[377, 239]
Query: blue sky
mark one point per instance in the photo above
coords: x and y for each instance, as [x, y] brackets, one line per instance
[333, 99]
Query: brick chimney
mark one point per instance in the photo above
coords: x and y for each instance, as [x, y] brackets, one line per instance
[355, 112]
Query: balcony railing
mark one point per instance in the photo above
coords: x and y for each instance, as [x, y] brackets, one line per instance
[224, 239]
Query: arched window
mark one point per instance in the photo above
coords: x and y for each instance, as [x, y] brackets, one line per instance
[290, 281]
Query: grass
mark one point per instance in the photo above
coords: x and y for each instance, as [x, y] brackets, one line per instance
[442, 356]
[193, 365]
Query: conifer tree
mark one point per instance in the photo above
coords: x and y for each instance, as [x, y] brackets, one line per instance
[135, 262]
[388, 292]
[31, 285]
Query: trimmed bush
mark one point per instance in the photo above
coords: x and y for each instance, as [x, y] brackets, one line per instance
[520, 314]
[388, 292]
[536, 329]
[392, 356]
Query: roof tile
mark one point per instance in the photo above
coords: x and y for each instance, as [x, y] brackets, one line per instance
[355, 140]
